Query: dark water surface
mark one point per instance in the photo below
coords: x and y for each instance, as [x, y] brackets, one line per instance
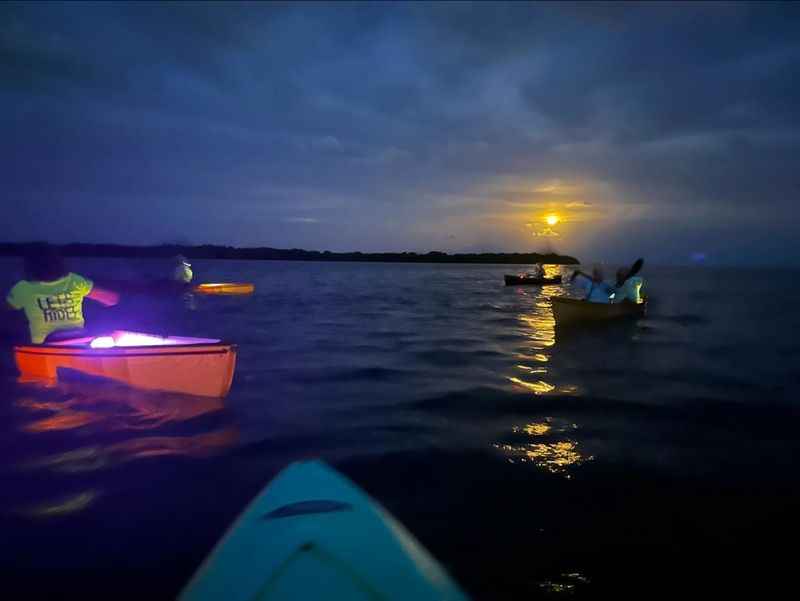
[644, 460]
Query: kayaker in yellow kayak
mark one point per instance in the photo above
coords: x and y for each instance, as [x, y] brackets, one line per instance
[52, 297]
[595, 289]
[183, 270]
[628, 285]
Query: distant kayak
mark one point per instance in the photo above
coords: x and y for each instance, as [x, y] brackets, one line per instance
[571, 311]
[225, 288]
[197, 366]
[312, 534]
[524, 280]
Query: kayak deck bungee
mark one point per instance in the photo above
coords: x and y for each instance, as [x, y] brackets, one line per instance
[312, 534]
[197, 366]
[225, 288]
[570, 311]
[523, 280]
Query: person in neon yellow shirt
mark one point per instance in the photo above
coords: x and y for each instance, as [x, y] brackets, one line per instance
[183, 270]
[52, 297]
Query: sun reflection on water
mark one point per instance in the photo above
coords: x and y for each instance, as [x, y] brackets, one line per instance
[534, 429]
[540, 357]
[555, 457]
[538, 325]
[532, 370]
[540, 329]
[540, 387]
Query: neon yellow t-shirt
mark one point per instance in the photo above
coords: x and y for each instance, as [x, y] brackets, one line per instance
[183, 273]
[51, 306]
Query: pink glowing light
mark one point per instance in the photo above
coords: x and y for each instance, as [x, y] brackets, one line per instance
[121, 338]
[102, 342]
[135, 339]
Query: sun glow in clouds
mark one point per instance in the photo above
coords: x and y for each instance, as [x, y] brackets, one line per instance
[550, 220]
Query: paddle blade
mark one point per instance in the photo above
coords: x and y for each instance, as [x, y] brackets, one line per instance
[636, 267]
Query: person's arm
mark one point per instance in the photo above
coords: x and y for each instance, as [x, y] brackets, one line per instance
[103, 296]
[13, 302]
[578, 272]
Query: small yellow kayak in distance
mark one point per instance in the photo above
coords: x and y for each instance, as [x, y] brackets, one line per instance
[571, 311]
[226, 288]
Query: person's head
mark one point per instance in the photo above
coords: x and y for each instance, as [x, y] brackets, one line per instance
[597, 273]
[622, 275]
[43, 263]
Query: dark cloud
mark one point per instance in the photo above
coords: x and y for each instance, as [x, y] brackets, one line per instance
[402, 125]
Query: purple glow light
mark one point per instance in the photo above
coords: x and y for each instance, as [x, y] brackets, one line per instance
[121, 338]
[102, 342]
[134, 339]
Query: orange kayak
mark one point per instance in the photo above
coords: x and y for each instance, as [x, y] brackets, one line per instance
[226, 288]
[198, 366]
[571, 311]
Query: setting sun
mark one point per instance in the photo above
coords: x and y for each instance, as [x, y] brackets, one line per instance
[551, 219]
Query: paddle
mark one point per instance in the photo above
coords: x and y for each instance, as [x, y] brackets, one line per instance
[576, 273]
[635, 268]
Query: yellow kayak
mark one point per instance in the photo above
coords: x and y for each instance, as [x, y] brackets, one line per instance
[226, 288]
[570, 311]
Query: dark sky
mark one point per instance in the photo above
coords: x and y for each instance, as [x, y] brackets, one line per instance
[650, 129]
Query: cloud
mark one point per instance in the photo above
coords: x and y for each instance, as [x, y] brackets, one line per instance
[327, 144]
[300, 220]
[397, 120]
[557, 187]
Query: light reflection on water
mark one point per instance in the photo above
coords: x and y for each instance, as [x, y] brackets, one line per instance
[556, 456]
[566, 584]
[538, 325]
[63, 506]
[373, 389]
[89, 459]
[111, 407]
[106, 425]
[539, 387]
[535, 429]
[540, 357]
[532, 370]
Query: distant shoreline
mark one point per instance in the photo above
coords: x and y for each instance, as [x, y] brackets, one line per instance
[207, 251]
